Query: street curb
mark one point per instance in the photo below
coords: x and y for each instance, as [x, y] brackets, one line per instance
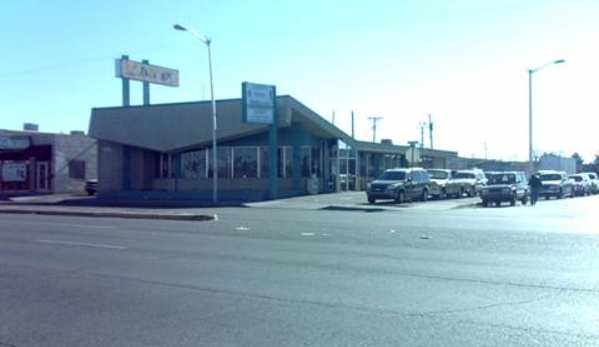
[352, 208]
[103, 214]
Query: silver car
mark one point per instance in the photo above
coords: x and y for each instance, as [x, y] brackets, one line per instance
[443, 184]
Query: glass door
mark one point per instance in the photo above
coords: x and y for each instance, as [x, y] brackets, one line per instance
[43, 176]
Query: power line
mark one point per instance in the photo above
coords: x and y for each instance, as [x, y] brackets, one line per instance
[374, 121]
[79, 62]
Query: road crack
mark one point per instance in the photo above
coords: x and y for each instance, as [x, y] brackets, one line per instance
[484, 307]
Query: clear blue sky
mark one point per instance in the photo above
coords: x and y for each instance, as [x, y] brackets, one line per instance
[465, 62]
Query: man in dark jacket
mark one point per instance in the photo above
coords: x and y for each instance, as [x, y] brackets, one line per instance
[535, 184]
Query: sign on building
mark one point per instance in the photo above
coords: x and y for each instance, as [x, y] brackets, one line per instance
[14, 172]
[258, 103]
[15, 142]
[134, 70]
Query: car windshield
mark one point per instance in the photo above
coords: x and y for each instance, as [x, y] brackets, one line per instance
[438, 175]
[502, 179]
[576, 178]
[465, 175]
[392, 176]
[551, 177]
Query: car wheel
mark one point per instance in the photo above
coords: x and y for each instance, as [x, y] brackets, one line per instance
[424, 196]
[513, 200]
[461, 192]
[400, 198]
[560, 195]
[497, 203]
[525, 199]
[485, 203]
[443, 194]
[371, 200]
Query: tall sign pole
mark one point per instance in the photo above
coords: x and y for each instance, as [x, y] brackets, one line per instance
[126, 88]
[259, 105]
[146, 86]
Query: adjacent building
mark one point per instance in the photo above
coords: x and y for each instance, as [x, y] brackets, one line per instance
[36, 162]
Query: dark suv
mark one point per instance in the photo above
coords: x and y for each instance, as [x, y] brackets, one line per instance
[399, 185]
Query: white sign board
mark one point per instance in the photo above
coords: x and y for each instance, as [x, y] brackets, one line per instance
[14, 142]
[259, 102]
[134, 70]
[14, 172]
[413, 153]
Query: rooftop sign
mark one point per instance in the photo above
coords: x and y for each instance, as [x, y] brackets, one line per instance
[259, 102]
[134, 70]
[15, 142]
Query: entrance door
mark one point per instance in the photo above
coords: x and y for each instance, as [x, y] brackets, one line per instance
[43, 176]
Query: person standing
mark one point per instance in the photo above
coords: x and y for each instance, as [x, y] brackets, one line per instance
[535, 184]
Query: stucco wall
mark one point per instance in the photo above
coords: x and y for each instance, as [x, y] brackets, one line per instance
[110, 155]
[68, 148]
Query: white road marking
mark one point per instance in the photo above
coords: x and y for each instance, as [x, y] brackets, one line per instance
[242, 228]
[84, 244]
[307, 234]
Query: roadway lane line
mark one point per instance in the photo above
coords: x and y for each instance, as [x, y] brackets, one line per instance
[83, 244]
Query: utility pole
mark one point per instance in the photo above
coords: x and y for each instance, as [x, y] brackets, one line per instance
[430, 129]
[374, 120]
[422, 125]
[333, 121]
[486, 157]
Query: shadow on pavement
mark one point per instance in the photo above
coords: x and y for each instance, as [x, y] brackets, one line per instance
[92, 201]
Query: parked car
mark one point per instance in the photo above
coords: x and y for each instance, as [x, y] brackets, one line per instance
[510, 186]
[443, 184]
[91, 186]
[472, 181]
[594, 182]
[555, 184]
[581, 184]
[399, 185]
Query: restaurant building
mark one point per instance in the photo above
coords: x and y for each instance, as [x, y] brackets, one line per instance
[164, 151]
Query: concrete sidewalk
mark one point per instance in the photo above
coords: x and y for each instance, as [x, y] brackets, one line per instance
[356, 201]
[83, 206]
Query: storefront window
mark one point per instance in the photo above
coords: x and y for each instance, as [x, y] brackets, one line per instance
[264, 164]
[316, 162]
[224, 161]
[14, 175]
[306, 161]
[245, 162]
[193, 164]
[77, 169]
[285, 162]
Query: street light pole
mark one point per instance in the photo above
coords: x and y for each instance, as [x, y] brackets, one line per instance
[530, 73]
[207, 41]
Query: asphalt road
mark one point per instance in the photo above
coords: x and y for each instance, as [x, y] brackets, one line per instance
[410, 276]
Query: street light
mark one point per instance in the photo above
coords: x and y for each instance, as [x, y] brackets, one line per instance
[530, 72]
[207, 40]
